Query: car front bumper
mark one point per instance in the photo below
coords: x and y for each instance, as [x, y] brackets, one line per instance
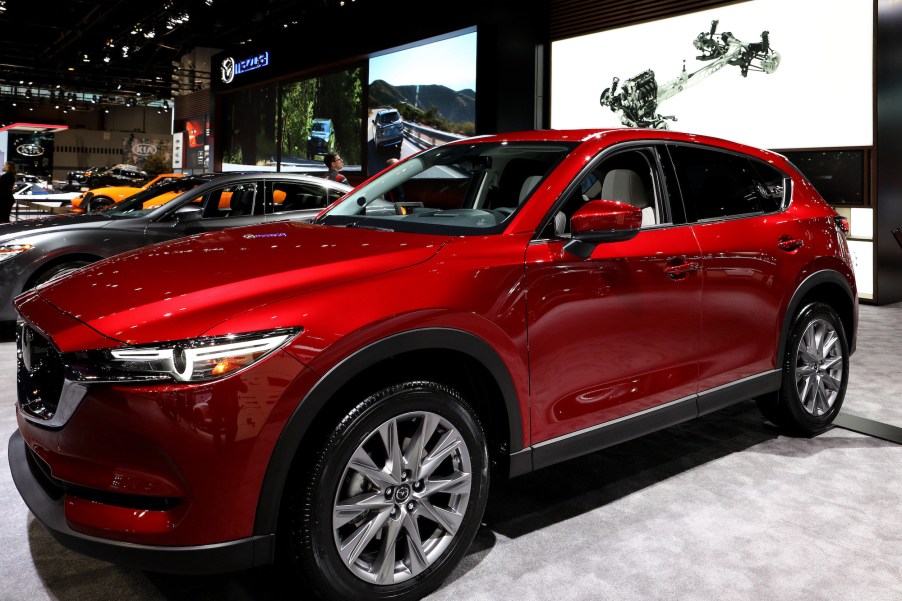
[48, 504]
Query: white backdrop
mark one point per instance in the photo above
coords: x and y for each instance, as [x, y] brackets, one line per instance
[820, 96]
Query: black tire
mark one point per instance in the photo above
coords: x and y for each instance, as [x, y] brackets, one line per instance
[97, 203]
[400, 507]
[58, 271]
[815, 373]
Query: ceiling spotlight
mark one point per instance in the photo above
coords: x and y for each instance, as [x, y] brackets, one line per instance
[119, 87]
[85, 58]
[106, 58]
[208, 2]
[149, 34]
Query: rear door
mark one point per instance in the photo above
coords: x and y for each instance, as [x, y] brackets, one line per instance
[752, 253]
[298, 200]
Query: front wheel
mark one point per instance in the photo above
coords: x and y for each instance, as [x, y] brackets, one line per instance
[98, 203]
[58, 271]
[394, 498]
[815, 373]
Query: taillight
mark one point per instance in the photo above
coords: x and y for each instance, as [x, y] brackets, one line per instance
[842, 223]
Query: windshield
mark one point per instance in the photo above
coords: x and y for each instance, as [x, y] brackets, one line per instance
[319, 126]
[147, 200]
[388, 118]
[456, 189]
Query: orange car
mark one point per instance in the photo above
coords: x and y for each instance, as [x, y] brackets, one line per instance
[98, 198]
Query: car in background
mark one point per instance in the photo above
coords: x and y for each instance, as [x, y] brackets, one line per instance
[25, 178]
[118, 175]
[100, 198]
[33, 200]
[343, 392]
[35, 251]
[388, 128]
[81, 176]
[321, 139]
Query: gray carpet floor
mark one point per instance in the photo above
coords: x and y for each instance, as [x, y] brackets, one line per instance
[724, 507]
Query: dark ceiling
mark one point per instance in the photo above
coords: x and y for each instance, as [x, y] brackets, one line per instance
[126, 47]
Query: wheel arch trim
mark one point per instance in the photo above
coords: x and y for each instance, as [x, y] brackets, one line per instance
[825, 276]
[298, 424]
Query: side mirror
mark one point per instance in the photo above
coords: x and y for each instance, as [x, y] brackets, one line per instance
[600, 221]
[188, 213]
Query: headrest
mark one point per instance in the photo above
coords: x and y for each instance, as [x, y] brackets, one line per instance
[624, 185]
[528, 184]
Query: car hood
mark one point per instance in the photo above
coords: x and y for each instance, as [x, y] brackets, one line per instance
[182, 289]
[11, 231]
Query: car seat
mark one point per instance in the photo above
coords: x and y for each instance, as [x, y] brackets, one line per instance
[626, 186]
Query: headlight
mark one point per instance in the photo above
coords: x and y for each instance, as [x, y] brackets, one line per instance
[8, 251]
[198, 360]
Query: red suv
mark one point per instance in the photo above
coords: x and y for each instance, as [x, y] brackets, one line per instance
[341, 392]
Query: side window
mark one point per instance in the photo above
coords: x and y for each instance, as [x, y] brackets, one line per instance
[629, 176]
[773, 187]
[232, 201]
[296, 196]
[718, 184]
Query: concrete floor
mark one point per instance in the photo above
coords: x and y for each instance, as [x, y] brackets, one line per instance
[720, 508]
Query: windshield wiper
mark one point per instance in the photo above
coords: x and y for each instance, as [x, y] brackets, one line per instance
[363, 226]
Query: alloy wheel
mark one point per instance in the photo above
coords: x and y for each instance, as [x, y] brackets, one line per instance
[819, 367]
[402, 498]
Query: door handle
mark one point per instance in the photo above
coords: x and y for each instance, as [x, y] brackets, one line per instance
[680, 270]
[788, 243]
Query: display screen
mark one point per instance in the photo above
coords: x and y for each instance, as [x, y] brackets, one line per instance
[321, 115]
[837, 175]
[769, 73]
[420, 97]
[318, 115]
[249, 128]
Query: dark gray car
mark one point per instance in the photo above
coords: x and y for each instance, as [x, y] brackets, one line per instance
[35, 251]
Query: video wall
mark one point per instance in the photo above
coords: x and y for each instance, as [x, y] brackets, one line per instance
[417, 96]
[421, 96]
[777, 74]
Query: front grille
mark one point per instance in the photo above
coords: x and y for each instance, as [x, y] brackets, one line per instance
[40, 374]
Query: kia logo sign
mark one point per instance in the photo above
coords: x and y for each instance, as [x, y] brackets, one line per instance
[143, 149]
[30, 150]
[228, 70]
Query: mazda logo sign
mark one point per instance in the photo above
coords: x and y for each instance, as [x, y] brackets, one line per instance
[228, 70]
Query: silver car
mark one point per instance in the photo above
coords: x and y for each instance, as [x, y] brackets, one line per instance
[35, 251]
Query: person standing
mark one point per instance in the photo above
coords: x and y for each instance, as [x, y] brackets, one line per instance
[334, 163]
[7, 181]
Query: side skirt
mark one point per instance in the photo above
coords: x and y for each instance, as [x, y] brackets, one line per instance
[626, 428]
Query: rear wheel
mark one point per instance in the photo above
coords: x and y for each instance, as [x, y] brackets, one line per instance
[394, 498]
[815, 373]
